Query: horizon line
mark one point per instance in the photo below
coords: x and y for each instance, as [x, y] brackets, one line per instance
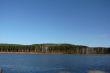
[56, 43]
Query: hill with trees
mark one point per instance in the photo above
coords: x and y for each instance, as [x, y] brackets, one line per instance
[53, 49]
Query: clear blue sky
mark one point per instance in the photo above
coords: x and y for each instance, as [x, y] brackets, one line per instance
[84, 22]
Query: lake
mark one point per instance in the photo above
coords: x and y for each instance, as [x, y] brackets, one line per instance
[53, 63]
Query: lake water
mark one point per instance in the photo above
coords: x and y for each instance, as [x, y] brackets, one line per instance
[45, 63]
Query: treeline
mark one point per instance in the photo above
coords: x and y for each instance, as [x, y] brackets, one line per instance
[54, 48]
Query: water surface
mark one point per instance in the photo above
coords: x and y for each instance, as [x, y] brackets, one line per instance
[45, 63]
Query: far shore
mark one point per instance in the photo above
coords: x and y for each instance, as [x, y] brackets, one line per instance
[27, 53]
[46, 53]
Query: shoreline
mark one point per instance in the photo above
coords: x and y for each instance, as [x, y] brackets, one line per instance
[47, 53]
[26, 53]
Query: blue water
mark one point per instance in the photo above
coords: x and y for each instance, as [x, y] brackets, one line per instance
[45, 63]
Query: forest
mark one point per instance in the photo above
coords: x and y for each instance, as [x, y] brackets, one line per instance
[53, 49]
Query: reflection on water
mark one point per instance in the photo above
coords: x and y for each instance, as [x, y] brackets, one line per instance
[64, 72]
[32, 63]
[96, 71]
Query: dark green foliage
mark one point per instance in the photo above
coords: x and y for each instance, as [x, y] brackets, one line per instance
[54, 48]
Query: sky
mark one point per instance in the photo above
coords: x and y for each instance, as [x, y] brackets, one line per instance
[81, 22]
